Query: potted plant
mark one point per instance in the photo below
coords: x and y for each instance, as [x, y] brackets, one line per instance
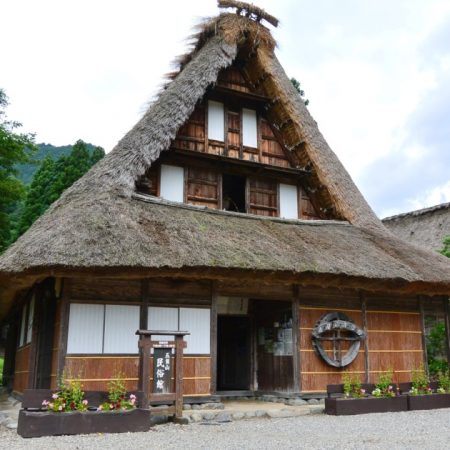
[421, 396]
[67, 411]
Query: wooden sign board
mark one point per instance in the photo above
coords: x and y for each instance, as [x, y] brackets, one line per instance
[162, 370]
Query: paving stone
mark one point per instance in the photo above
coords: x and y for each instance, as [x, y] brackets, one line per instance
[260, 413]
[223, 417]
[196, 407]
[280, 414]
[196, 417]
[158, 420]
[296, 402]
[187, 407]
[208, 416]
[250, 414]
[212, 405]
[12, 425]
[238, 415]
[313, 401]
[316, 409]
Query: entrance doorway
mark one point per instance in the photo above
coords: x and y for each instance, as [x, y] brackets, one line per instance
[233, 353]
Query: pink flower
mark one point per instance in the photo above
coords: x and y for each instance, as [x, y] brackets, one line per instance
[54, 396]
[85, 402]
[45, 403]
[363, 391]
[132, 397]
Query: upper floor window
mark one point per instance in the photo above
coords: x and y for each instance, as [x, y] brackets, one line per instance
[172, 183]
[249, 128]
[288, 201]
[216, 121]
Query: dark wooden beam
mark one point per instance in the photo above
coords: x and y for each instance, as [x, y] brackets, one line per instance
[447, 325]
[366, 340]
[424, 338]
[213, 337]
[296, 355]
[63, 327]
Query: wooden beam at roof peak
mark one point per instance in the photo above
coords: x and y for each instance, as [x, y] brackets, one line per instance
[251, 11]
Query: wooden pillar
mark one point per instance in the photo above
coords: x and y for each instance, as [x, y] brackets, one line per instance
[424, 339]
[213, 337]
[179, 376]
[144, 353]
[366, 340]
[63, 327]
[447, 326]
[296, 355]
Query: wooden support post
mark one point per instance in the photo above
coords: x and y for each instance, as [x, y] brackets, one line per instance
[63, 327]
[296, 355]
[213, 337]
[366, 340]
[178, 376]
[446, 301]
[144, 369]
[424, 338]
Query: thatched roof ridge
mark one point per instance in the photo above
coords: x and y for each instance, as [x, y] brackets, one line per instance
[426, 227]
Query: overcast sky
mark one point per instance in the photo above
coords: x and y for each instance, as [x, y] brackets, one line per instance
[377, 74]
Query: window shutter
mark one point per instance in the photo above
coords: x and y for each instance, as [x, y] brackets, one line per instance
[288, 201]
[30, 320]
[172, 183]
[85, 328]
[249, 128]
[160, 318]
[197, 322]
[121, 323]
[216, 121]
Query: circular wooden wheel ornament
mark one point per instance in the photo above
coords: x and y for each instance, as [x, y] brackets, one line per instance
[337, 328]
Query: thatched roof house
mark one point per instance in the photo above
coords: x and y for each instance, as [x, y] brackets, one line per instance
[207, 201]
[427, 227]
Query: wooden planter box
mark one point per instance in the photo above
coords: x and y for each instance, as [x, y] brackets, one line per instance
[44, 423]
[351, 406]
[428, 401]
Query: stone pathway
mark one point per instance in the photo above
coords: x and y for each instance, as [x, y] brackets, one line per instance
[9, 411]
[230, 410]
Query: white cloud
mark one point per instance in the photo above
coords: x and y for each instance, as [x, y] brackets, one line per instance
[434, 196]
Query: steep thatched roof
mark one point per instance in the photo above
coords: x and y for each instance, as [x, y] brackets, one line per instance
[425, 227]
[99, 224]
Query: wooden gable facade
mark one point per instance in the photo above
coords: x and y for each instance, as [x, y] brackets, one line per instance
[213, 167]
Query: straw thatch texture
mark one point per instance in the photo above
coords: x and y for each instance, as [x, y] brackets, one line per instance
[98, 225]
[425, 227]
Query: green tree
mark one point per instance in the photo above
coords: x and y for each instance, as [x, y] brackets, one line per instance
[52, 179]
[301, 92]
[446, 249]
[15, 148]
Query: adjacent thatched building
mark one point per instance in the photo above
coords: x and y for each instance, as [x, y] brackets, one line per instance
[426, 227]
[223, 212]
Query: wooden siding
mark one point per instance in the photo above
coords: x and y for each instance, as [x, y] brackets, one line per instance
[203, 187]
[22, 369]
[306, 208]
[55, 348]
[95, 372]
[232, 78]
[394, 337]
[263, 197]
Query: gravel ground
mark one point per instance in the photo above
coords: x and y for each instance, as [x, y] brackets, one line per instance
[405, 430]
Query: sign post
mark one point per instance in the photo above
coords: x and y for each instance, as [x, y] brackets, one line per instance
[162, 369]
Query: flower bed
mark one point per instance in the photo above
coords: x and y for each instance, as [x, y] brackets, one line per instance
[428, 401]
[46, 423]
[366, 405]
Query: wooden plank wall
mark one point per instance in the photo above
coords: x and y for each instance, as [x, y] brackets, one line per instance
[263, 197]
[95, 371]
[394, 337]
[22, 369]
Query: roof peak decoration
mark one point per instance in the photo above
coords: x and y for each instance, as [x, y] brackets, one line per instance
[249, 10]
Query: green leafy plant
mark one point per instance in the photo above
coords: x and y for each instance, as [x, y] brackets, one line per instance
[420, 382]
[117, 395]
[352, 385]
[70, 397]
[444, 382]
[384, 387]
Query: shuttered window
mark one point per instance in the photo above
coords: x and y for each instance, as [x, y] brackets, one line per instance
[30, 320]
[172, 183]
[103, 329]
[194, 320]
[249, 128]
[26, 323]
[288, 201]
[216, 121]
